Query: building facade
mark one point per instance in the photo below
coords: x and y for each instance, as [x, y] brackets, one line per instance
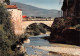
[16, 18]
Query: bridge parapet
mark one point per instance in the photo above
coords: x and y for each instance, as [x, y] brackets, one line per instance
[38, 19]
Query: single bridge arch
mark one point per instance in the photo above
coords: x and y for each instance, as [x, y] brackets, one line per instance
[27, 23]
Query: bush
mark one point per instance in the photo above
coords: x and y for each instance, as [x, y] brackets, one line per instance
[36, 32]
[36, 29]
[5, 44]
[42, 30]
[7, 36]
[7, 1]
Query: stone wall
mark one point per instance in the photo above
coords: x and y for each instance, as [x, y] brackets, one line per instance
[16, 16]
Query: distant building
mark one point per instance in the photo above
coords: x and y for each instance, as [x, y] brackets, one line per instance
[16, 18]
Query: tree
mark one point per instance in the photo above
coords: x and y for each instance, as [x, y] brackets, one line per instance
[5, 19]
[2, 13]
[36, 32]
[7, 37]
[7, 1]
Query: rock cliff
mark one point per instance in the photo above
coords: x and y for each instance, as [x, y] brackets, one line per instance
[61, 33]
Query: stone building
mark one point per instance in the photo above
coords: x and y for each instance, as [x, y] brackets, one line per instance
[16, 18]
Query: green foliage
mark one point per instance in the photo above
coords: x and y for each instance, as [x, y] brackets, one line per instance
[2, 13]
[5, 44]
[36, 29]
[36, 32]
[7, 36]
[5, 19]
[43, 31]
[7, 1]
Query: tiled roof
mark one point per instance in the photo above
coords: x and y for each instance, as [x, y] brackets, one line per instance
[20, 9]
[11, 6]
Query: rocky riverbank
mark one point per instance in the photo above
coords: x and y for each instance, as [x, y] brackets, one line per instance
[56, 51]
[62, 50]
[18, 46]
[41, 47]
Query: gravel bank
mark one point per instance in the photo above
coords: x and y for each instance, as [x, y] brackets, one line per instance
[70, 51]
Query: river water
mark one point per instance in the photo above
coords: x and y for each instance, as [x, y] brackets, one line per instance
[37, 41]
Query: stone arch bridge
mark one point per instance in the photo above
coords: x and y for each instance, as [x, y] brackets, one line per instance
[26, 23]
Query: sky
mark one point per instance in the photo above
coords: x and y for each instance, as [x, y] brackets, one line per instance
[45, 4]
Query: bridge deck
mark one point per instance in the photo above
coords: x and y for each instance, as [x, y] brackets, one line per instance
[38, 19]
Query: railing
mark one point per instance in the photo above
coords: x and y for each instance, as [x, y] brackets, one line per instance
[29, 19]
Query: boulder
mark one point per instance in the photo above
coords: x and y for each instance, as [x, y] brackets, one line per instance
[71, 36]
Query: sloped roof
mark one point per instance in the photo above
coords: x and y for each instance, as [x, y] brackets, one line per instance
[11, 6]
